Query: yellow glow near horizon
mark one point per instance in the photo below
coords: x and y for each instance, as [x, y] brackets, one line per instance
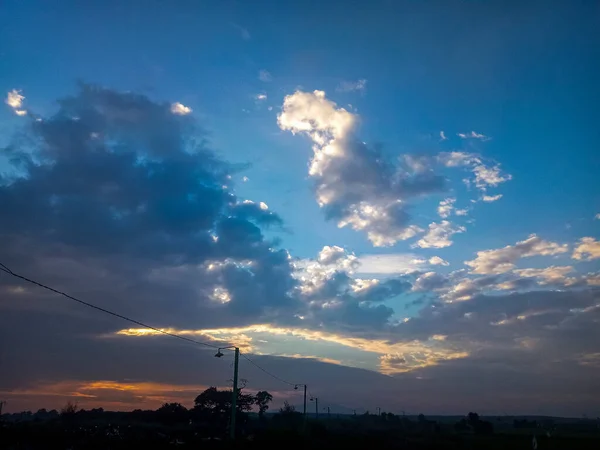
[416, 354]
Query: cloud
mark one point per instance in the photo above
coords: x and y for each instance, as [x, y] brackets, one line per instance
[355, 184]
[485, 175]
[244, 33]
[445, 208]
[489, 176]
[437, 261]
[504, 259]
[491, 198]
[587, 249]
[331, 254]
[429, 281]
[146, 194]
[382, 264]
[438, 235]
[265, 76]
[261, 97]
[180, 109]
[123, 204]
[14, 99]
[473, 135]
[352, 86]
[549, 275]
[597, 216]
[443, 136]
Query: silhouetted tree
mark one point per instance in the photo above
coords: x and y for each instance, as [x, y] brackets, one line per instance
[171, 413]
[69, 410]
[461, 425]
[263, 398]
[287, 408]
[472, 418]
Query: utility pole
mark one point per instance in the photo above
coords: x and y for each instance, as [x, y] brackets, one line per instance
[378, 411]
[316, 400]
[304, 410]
[328, 413]
[2, 403]
[234, 394]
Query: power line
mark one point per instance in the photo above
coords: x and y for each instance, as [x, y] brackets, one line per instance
[5, 269]
[267, 372]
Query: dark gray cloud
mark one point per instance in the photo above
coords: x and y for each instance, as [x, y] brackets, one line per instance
[120, 181]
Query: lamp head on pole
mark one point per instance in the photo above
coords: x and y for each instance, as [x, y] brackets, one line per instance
[218, 354]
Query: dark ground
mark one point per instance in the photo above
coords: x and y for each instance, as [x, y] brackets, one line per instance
[326, 434]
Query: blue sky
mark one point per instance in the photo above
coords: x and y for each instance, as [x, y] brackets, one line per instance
[386, 89]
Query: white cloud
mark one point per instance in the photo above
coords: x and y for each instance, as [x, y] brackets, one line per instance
[350, 86]
[379, 223]
[503, 259]
[331, 254]
[391, 263]
[443, 136]
[489, 176]
[461, 212]
[587, 249]
[14, 99]
[597, 216]
[473, 135]
[437, 261]
[548, 275]
[180, 109]
[438, 235]
[263, 206]
[261, 97]
[457, 159]
[244, 179]
[445, 207]
[265, 76]
[491, 198]
[356, 185]
[485, 175]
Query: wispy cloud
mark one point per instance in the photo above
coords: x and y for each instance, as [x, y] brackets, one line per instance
[473, 135]
[491, 198]
[265, 76]
[438, 235]
[398, 263]
[352, 86]
[244, 33]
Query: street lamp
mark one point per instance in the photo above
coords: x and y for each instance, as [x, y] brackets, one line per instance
[316, 400]
[236, 361]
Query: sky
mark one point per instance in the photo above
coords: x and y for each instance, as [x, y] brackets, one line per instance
[393, 202]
